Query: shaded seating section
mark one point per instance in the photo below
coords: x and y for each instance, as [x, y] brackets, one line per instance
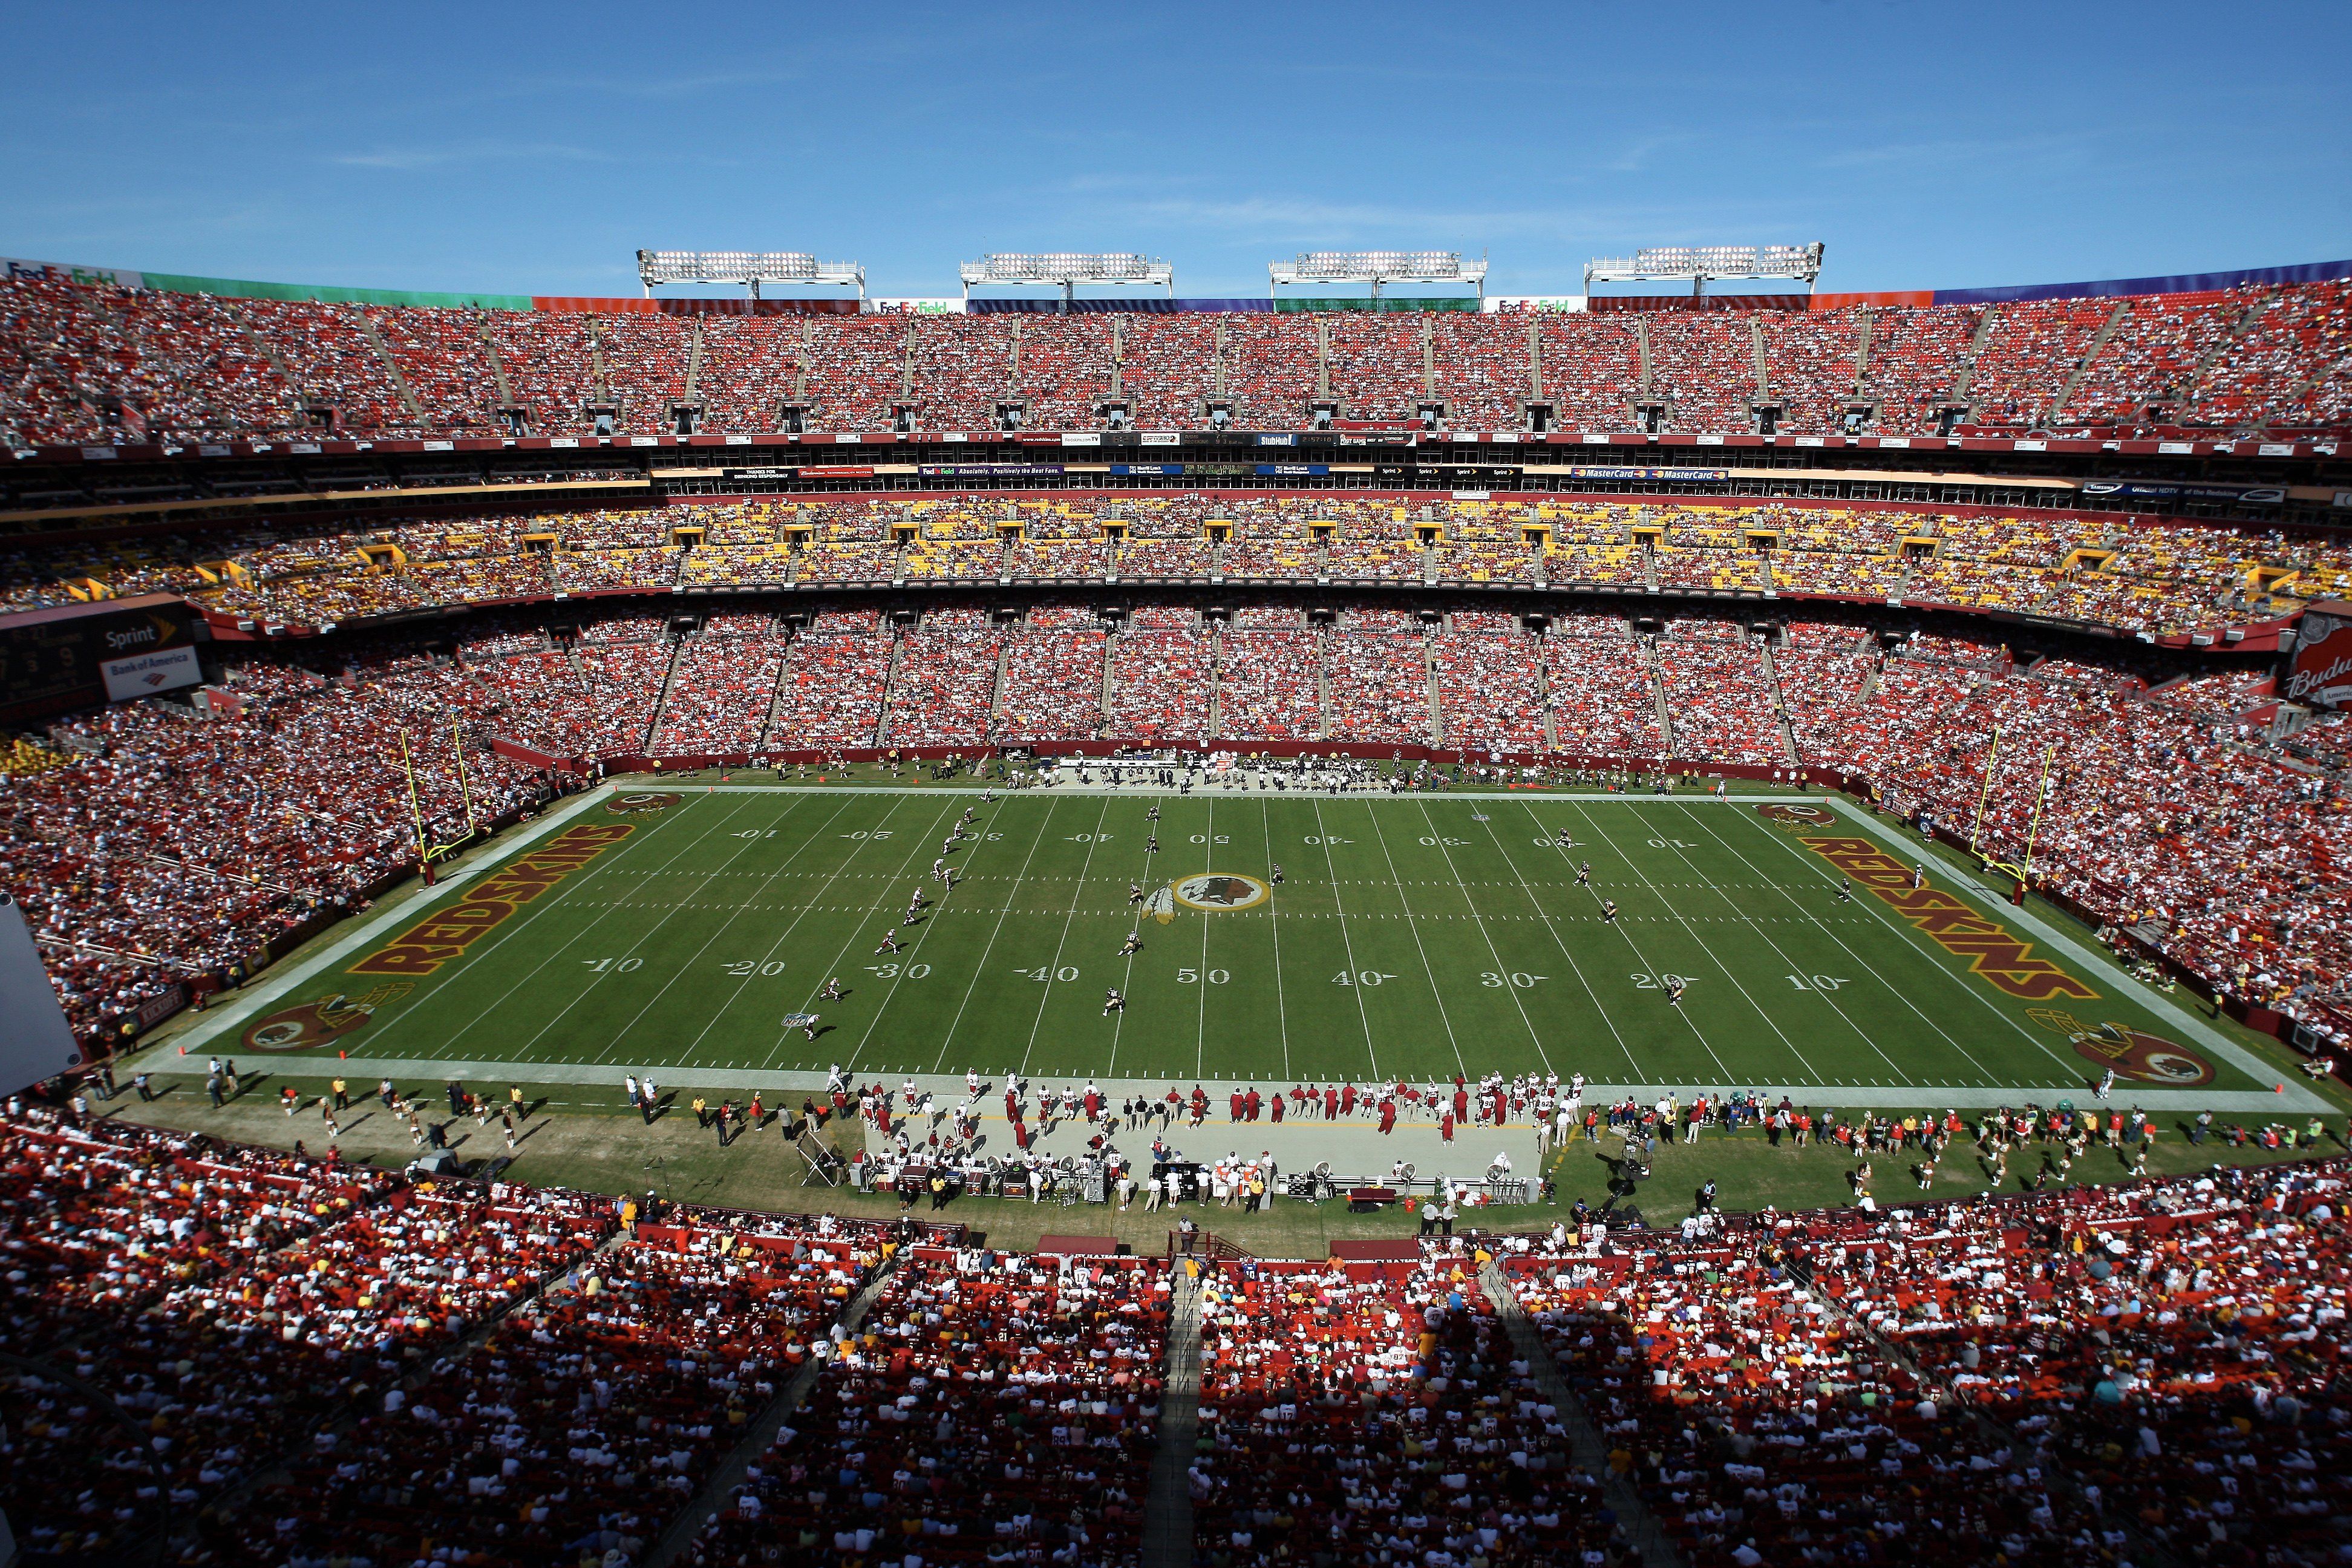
[1357, 1412]
[990, 1408]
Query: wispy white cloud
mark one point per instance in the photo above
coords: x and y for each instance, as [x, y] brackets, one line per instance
[406, 158]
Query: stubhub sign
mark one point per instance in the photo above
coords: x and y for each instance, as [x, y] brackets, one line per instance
[145, 674]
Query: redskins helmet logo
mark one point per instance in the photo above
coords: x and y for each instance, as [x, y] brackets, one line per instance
[314, 1024]
[1220, 890]
[2142, 1059]
[1794, 815]
[640, 801]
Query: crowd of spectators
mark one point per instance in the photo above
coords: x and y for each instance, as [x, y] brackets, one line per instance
[90, 362]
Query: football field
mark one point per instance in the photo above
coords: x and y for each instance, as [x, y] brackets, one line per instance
[1284, 938]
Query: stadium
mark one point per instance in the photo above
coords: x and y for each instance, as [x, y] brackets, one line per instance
[1699, 922]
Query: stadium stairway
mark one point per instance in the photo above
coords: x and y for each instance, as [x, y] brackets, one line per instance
[1168, 1511]
[760, 1434]
[1584, 1438]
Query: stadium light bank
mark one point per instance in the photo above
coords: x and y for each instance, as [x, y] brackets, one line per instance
[1379, 267]
[748, 268]
[1798, 263]
[1065, 270]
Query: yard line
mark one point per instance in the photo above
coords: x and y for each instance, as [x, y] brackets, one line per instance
[915, 844]
[1900, 995]
[1063, 941]
[1354, 974]
[1200, 1028]
[1903, 930]
[745, 983]
[1273, 929]
[1683, 919]
[1550, 925]
[914, 852]
[1492, 950]
[1640, 957]
[1126, 977]
[1414, 926]
[1044, 820]
[531, 974]
[1757, 927]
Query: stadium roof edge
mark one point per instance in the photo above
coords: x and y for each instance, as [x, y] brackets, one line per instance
[243, 289]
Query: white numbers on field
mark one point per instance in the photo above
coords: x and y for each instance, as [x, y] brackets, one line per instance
[1670, 844]
[1449, 843]
[1524, 982]
[870, 833]
[752, 832]
[751, 967]
[1658, 981]
[892, 971]
[1815, 982]
[1047, 971]
[1089, 839]
[1205, 839]
[1193, 976]
[1327, 839]
[614, 965]
[992, 837]
[1361, 977]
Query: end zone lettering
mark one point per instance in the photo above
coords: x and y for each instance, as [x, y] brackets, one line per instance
[1956, 926]
[447, 933]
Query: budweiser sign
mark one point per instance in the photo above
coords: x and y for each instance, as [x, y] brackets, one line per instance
[2319, 671]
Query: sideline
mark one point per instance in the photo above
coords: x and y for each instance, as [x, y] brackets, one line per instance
[251, 999]
[1968, 883]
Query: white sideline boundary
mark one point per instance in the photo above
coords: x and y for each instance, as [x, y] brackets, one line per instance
[257, 997]
[1970, 886]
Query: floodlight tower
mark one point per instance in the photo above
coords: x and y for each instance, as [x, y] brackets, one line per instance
[1379, 267]
[748, 267]
[1798, 263]
[1065, 270]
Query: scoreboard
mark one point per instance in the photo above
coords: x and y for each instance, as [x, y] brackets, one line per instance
[73, 656]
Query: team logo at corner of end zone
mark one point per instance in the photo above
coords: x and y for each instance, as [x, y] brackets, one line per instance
[639, 800]
[317, 1023]
[2136, 1056]
[1797, 816]
[1215, 890]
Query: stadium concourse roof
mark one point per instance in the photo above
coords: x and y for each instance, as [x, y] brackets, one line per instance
[246, 289]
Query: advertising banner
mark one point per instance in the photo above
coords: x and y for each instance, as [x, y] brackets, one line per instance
[989, 470]
[145, 674]
[1569, 305]
[914, 307]
[1292, 470]
[66, 272]
[1147, 468]
[52, 659]
[2242, 495]
[1691, 476]
[2319, 670]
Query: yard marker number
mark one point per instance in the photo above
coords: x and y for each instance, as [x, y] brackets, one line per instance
[892, 971]
[1493, 982]
[1323, 839]
[1814, 982]
[1361, 977]
[870, 833]
[1047, 971]
[1658, 981]
[1193, 976]
[1448, 843]
[1670, 844]
[614, 965]
[1206, 838]
[1094, 838]
[754, 966]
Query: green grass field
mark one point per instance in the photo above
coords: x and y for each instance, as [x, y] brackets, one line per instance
[1410, 937]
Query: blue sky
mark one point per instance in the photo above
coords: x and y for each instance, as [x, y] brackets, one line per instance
[533, 148]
